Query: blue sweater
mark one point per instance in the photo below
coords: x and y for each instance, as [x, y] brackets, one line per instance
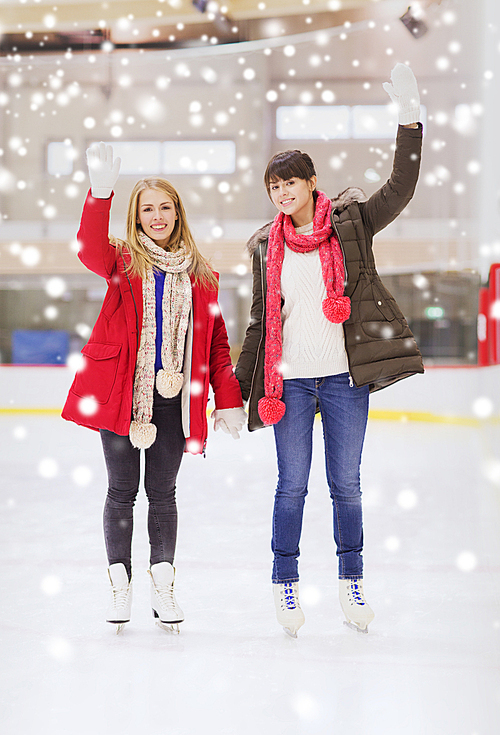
[159, 286]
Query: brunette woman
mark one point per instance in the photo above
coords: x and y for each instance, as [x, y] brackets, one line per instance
[325, 332]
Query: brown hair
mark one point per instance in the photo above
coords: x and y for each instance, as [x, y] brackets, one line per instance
[181, 233]
[289, 165]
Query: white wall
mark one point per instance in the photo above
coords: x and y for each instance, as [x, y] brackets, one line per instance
[440, 392]
[342, 66]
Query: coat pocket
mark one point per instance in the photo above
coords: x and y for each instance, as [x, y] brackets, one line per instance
[380, 315]
[111, 302]
[97, 376]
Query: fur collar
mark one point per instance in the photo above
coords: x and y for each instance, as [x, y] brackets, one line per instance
[347, 197]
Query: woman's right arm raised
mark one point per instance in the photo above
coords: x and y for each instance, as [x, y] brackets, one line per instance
[95, 250]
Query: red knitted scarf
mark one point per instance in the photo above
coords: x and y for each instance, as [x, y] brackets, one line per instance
[336, 306]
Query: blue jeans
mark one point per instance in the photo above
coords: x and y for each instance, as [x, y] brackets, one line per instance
[344, 413]
[162, 462]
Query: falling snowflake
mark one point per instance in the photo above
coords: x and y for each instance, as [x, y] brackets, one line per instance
[310, 595]
[30, 256]
[407, 499]
[60, 649]
[392, 543]
[51, 585]
[55, 287]
[88, 406]
[196, 388]
[306, 706]
[51, 312]
[75, 362]
[194, 446]
[466, 561]
[482, 407]
[82, 475]
[48, 468]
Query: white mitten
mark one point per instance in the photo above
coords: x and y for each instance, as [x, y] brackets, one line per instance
[103, 171]
[404, 93]
[230, 420]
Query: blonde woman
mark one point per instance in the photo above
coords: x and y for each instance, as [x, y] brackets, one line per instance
[157, 345]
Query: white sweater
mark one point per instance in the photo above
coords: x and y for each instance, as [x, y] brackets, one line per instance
[312, 346]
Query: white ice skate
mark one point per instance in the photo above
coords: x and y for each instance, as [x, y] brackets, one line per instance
[357, 611]
[121, 597]
[288, 610]
[166, 611]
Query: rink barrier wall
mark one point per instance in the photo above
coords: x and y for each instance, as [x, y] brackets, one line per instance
[400, 416]
[464, 396]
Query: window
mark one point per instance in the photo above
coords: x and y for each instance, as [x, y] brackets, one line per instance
[60, 157]
[377, 122]
[324, 122]
[199, 157]
[328, 122]
[374, 121]
[140, 158]
[155, 158]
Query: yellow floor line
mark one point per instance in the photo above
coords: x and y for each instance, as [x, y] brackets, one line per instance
[35, 411]
[374, 415]
[422, 416]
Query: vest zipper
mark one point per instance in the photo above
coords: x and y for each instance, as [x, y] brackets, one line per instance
[334, 225]
[263, 321]
[133, 299]
[341, 250]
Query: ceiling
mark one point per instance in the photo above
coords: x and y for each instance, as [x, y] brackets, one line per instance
[41, 26]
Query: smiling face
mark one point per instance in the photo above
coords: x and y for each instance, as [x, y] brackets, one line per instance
[294, 197]
[156, 215]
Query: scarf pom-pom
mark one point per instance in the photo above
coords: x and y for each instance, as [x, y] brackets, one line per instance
[169, 383]
[271, 410]
[337, 310]
[142, 436]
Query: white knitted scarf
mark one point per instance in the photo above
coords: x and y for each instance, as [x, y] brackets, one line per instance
[176, 306]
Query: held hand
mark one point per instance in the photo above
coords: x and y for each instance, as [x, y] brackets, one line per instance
[103, 171]
[230, 420]
[404, 93]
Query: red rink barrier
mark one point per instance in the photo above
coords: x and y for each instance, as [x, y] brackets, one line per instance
[483, 358]
[493, 316]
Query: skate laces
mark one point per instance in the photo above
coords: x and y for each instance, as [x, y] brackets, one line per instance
[289, 596]
[120, 597]
[165, 594]
[357, 593]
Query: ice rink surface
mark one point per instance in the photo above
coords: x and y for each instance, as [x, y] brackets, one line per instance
[429, 665]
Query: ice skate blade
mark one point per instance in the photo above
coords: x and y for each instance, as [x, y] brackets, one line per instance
[172, 628]
[355, 627]
[291, 633]
[119, 626]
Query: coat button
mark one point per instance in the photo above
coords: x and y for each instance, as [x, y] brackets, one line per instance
[379, 303]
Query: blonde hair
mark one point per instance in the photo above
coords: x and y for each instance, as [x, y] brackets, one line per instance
[139, 259]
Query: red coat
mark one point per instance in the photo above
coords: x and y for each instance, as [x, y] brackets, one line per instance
[111, 352]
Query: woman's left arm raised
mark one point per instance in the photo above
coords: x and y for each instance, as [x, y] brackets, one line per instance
[385, 205]
[95, 250]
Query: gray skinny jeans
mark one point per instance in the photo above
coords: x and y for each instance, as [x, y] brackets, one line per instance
[162, 462]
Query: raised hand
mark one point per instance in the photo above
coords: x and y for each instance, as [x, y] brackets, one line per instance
[404, 93]
[103, 170]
